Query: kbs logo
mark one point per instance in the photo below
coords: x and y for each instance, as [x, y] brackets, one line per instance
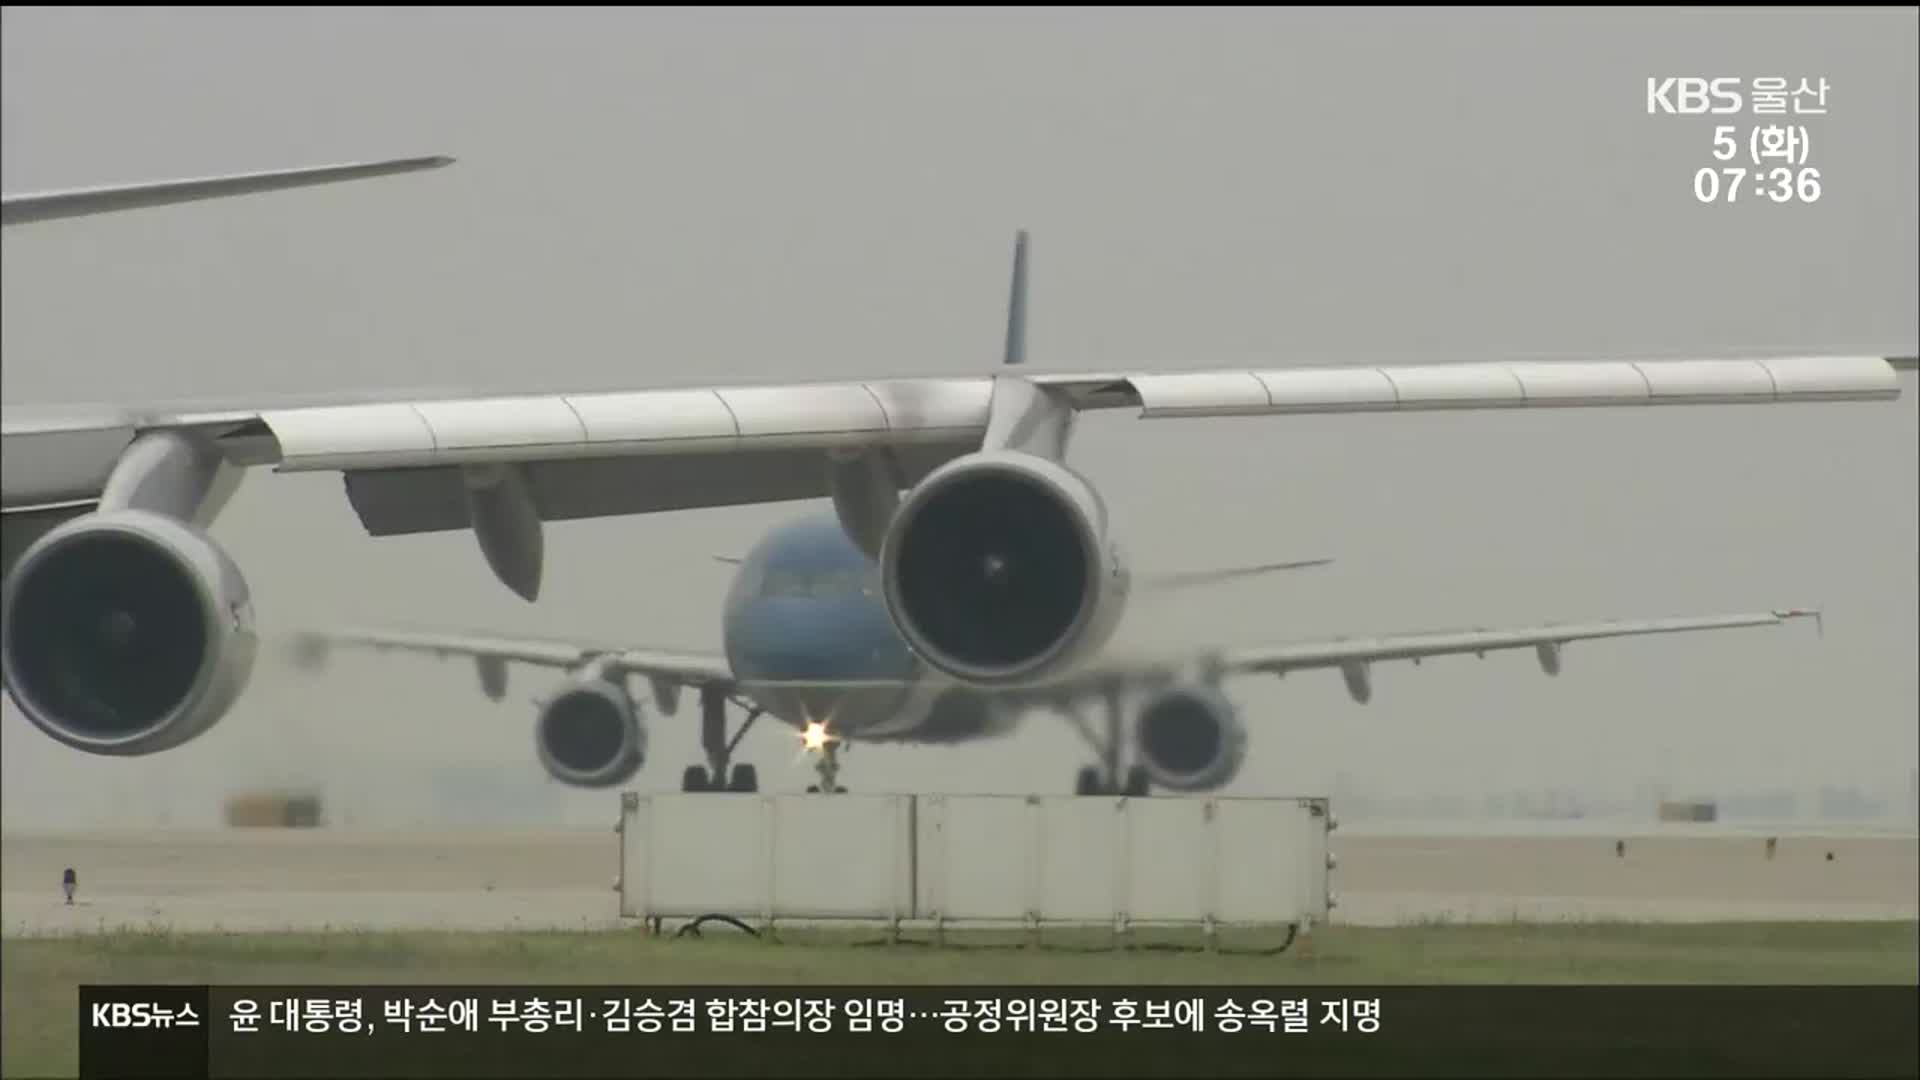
[1693, 97]
[120, 1014]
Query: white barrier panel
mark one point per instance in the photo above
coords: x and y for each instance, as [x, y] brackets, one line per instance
[1031, 860]
[1097, 860]
[771, 856]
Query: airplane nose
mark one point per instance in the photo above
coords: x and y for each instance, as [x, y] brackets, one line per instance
[801, 660]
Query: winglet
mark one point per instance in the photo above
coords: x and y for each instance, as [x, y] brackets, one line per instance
[1017, 304]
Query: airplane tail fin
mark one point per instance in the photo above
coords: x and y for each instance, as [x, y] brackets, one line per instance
[79, 202]
[1017, 304]
[1189, 578]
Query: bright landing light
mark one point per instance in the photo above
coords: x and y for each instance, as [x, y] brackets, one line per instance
[815, 736]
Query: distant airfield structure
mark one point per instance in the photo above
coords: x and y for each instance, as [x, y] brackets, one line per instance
[274, 810]
[1697, 811]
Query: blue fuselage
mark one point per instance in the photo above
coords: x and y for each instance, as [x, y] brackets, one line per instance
[806, 607]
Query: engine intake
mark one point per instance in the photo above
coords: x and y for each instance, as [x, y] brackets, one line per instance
[589, 734]
[1190, 739]
[997, 568]
[125, 633]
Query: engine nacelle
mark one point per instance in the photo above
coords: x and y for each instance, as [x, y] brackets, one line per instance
[1190, 738]
[126, 632]
[997, 568]
[589, 734]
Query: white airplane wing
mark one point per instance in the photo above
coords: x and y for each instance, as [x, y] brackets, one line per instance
[311, 648]
[408, 464]
[1355, 656]
[78, 202]
[667, 669]
[420, 466]
[503, 465]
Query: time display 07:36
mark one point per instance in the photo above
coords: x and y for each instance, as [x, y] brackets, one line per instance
[1778, 185]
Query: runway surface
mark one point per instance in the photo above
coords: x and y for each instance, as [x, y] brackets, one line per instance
[270, 879]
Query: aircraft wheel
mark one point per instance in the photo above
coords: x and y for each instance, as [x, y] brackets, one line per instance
[1137, 783]
[695, 779]
[746, 780]
[1088, 782]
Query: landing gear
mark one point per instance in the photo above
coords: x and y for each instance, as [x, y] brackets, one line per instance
[744, 781]
[715, 775]
[828, 766]
[1107, 778]
[1089, 782]
[1092, 781]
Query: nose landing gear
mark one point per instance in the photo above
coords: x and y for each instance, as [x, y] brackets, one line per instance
[827, 764]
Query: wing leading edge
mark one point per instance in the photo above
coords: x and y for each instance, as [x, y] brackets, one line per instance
[79, 202]
[908, 412]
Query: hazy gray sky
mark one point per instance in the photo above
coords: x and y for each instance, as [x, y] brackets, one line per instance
[678, 196]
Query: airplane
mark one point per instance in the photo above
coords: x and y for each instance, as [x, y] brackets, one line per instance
[810, 638]
[965, 571]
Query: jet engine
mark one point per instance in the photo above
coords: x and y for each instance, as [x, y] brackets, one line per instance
[126, 632]
[589, 734]
[1190, 738]
[997, 568]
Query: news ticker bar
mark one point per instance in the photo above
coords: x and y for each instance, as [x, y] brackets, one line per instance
[842, 1032]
